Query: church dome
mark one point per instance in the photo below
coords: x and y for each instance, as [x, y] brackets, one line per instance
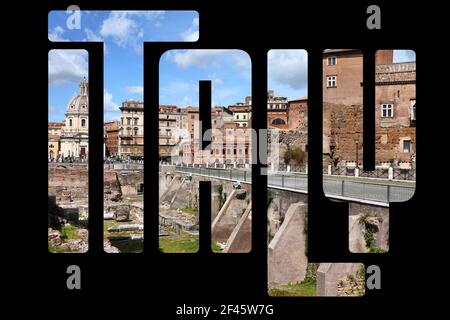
[80, 103]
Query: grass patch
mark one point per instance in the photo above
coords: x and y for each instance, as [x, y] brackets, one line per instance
[68, 232]
[55, 249]
[182, 243]
[215, 248]
[294, 290]
[191, 211]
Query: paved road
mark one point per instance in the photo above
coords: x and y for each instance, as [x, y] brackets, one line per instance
[377, 190]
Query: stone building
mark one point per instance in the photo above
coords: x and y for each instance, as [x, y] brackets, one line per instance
[75, 133]
[395, 113]
[242, 114]
[342, 76]
[167, 128]
[112, 129]
[230, 142]
[54, 143]
[277, 111]
[395, 108]
[131, 130]
[298, 114]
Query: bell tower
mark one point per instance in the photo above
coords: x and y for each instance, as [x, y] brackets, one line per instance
[84, 87]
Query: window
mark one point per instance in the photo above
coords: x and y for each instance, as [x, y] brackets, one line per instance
[192, 116]
[331, 81]
[278, 121]
[121, 120]
[387, 110]
[245, 117]
[83, 122]
[332, 61]
[128, 120]
[237, 117]
[406, 146]
[136, 121]
[136, 131]
[70, 122]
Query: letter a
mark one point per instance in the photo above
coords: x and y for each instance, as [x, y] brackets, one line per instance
[374, 20]
[74, 20]
[374, 280]
[74, 280]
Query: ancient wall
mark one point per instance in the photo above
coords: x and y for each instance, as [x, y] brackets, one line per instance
[128, 181]
[298, 118]
[329, 274]
[377, 216]
[287, 261]
[343, 124]
[68, 182]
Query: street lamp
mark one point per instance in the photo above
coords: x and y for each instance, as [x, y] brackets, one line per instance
[357, 144]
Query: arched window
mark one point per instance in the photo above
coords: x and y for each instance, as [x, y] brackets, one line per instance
[83, 122]
[70, 122]
[136, 131]
[278, 121]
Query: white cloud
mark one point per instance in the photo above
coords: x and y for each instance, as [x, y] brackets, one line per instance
[191, 34]
[288, 67]
[56, 34]
[91, 36]
[118, 26]
[124, 30]
[195, 22]
[67, 66]
[404, 56]
[109, 104]
[197, 57]
[135, 90]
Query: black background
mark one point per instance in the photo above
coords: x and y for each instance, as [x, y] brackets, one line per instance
[155, 283]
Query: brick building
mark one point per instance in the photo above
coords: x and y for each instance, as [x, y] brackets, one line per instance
[112, 129]
[277, 111]
[395, 107]
[298, 114]
[131, 130]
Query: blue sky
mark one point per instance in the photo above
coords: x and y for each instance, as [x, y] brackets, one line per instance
[404, 56]
[287, 72]
[180, 71]
[123, 33]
